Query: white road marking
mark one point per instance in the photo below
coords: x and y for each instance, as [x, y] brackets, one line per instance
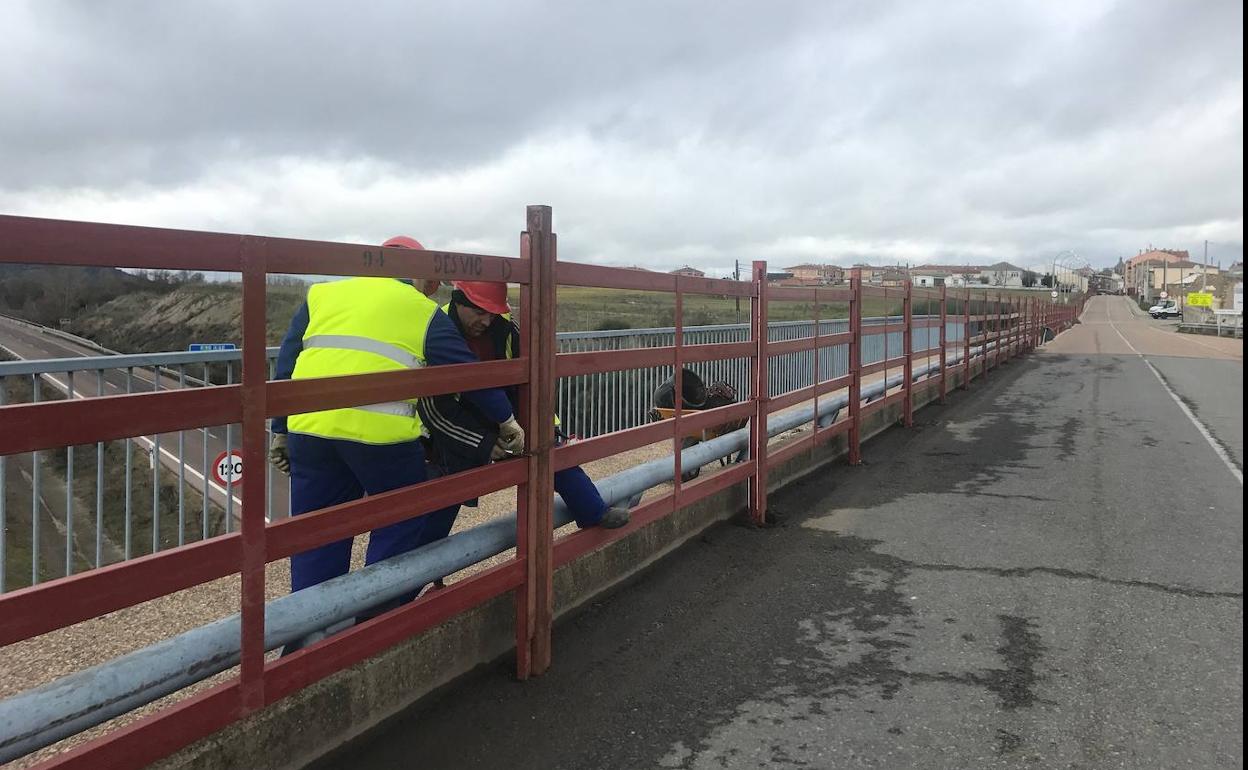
[1217, 448]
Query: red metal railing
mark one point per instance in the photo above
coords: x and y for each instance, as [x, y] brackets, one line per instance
[1016, 326]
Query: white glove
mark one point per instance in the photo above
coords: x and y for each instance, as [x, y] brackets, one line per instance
[511, 437]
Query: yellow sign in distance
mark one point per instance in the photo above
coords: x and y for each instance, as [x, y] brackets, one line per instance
[1200, 299]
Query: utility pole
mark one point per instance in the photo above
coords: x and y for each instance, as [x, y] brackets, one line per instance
[736, 276]
[1204, 268]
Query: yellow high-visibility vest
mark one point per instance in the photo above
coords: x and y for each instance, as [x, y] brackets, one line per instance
[361, 326]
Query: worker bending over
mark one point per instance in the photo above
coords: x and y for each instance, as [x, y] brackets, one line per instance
[462, 436]
[360, 326]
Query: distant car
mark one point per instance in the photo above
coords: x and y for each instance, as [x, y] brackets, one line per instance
[1167, 309]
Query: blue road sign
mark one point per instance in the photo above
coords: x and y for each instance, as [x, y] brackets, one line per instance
[201, 347]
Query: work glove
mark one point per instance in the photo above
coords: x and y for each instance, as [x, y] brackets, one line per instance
[498, 453]
[278, 454]
[511, 437]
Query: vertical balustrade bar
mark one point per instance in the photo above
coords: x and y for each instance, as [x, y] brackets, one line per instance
[99, 483]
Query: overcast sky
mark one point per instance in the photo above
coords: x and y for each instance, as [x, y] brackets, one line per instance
[662, 133]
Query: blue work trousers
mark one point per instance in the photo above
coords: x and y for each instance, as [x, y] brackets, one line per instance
[572, 484]
[325, 472]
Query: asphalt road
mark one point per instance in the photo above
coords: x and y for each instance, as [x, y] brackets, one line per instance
[1046, 572]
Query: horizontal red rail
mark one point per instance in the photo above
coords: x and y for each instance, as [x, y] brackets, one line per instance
[321, 393]
[879, 404]
[289, 255]
[294, 672]
[58, 242]
[596, 361]
[714, 286]
[716, 351]
[53, 424]
[581, 452]
[875, 331]
[820, 294]
[709, 418]
[583, 541]
[65, 601]
[790, 450]
[808, 343]
[310, 530]
[579, 274]
[791, 293]
[880, 366]
[156, 736]
[793, 397]
[709, 485]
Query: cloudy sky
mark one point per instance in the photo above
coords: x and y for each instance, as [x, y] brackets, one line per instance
[661, 132]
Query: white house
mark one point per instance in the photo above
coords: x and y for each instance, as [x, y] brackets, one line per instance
[1003, 274]
[929, 279]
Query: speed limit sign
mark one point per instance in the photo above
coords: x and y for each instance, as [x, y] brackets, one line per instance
[228, 469]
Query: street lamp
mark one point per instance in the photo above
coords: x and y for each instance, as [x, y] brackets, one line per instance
[1071, 261]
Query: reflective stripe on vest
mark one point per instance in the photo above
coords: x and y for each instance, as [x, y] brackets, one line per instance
[361, 326]
[364, 345]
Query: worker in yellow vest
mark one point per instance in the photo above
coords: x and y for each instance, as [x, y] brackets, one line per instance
[461, 436]
[359, 326]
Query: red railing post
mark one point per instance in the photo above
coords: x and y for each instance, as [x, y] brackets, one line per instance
[678, 364]
[944, 342]
[1000, 331]
[535, 525]
[814, 427]
[255, 451]
[907, 340]
[762, 397]
[855, 368]
[966, 342]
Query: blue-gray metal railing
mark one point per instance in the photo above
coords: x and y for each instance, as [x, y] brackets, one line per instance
[593, 404]
[118, 518]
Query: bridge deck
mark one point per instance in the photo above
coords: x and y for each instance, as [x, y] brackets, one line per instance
[1046, 572]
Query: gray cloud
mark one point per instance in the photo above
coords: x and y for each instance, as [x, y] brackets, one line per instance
[661, 132]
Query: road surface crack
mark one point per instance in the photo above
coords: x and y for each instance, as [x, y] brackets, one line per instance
[1011, 572]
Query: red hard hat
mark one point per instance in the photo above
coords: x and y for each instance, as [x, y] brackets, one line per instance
[403, 242]
[487, 295]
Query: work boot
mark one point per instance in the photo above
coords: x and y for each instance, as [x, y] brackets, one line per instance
[614, 518]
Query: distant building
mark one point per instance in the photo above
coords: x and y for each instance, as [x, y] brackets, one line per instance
[691, 272]
[1162, 274]
[817, 274]
[1136, 268]
[945, 275]
[1002, 274]
[884, 275]
[929, 278]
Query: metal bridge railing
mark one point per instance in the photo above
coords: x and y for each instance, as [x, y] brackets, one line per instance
[596, 404]
[170, 497]
[94, 505]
